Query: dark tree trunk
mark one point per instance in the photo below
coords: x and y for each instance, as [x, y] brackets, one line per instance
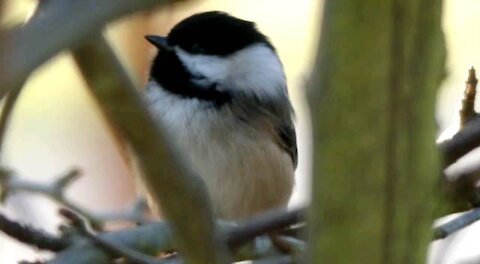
[372, 97]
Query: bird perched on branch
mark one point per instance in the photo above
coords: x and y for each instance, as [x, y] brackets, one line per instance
[219, 89]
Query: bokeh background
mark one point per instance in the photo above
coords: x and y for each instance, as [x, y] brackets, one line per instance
[57, 126]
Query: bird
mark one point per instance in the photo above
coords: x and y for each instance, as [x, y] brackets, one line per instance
[219, 89]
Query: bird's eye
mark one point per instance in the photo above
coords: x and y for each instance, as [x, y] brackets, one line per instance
[198, 77]
[196, 48]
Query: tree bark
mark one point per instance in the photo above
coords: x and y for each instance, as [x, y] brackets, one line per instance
[372, 97]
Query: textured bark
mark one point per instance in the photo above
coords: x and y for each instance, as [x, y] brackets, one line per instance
[372, 98]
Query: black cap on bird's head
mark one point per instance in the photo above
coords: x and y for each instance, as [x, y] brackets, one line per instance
[211, 33]
[214, 57]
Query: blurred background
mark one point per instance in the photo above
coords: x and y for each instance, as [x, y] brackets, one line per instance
[56, 125]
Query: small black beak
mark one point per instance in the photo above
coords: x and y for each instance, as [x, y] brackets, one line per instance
[159, 42]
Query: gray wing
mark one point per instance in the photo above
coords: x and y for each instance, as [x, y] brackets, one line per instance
[278, 113]
[288, 141]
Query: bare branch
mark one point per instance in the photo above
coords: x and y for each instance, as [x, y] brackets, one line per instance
[55, 190]
[12, 183]
[467, 112]
[135, 214]
[262, 224]
[108, 246]
[181, 194]
[31, 236]
[462, 191]
[468, 138]
[157, 237]
[14, 94]
[149, 239]
[29, 49]
[26, 48]
[456, 224]
[7, 112]
[160, 237]
[462, 143]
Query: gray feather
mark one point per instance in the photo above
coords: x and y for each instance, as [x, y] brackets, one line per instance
[277, 113]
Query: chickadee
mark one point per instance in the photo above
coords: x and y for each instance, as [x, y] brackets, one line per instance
[219, 88]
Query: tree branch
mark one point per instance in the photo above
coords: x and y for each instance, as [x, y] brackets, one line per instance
[11, 183]
[468, 138]
[109, 247]
[462, 143]
[262, 224]
[55, 190]
[25, 48]
[157, 237]
[149, 239]
[467, 112]
[134, 214]
[7, 112]
[31, 236]
[181, 194]
[456, 224]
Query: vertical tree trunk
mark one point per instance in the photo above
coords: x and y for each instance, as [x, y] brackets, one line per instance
[372, 99]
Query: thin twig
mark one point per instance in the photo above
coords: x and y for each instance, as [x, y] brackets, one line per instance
[12, 183]
[456, 224]
[55, 190]
[263, 224]
[134, 214]
[467, 112]
[32, 236]
[108, 246]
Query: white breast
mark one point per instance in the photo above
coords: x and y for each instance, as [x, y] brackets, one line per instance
[245, 171]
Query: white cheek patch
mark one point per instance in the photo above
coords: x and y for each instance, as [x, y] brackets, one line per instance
[255, 69]
[212, 68]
